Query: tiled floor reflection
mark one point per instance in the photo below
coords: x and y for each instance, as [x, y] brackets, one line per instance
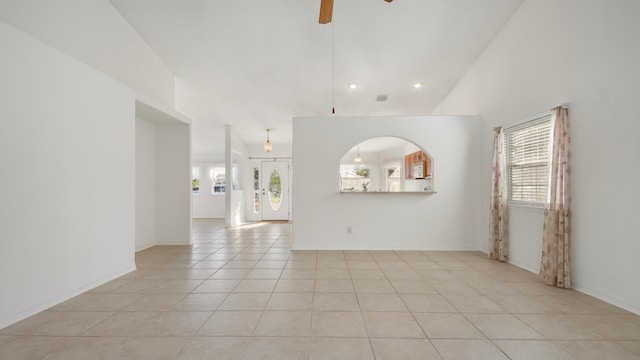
[243, 294]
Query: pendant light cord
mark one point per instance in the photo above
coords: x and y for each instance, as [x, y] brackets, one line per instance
[333, 69]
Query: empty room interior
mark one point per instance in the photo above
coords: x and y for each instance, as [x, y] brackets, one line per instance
[319, 179]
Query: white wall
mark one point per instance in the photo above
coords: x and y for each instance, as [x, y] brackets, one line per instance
[173, 184]
[446, 220]
[206, 204]
[71, 227]
[208, 136]
[236, 155]
[163, 191]
[145, 184]
[585, 53]
[94, 32]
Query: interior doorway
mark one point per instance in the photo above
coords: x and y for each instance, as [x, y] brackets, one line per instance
[275, 193]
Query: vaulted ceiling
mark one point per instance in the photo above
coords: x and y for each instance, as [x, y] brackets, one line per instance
[255, 64]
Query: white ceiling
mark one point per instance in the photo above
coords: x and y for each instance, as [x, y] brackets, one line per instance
[255, 64]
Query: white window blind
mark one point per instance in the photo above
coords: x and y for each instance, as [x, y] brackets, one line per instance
[526, 156]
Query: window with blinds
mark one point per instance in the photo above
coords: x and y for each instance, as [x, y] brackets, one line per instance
[526, 148]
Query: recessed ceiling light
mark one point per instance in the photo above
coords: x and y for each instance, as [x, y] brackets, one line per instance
[353, 86]
[417, 85]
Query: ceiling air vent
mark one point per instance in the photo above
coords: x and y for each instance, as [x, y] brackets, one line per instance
[382, 97]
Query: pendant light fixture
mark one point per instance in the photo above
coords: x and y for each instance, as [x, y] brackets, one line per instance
[358, 159]
[267, 144]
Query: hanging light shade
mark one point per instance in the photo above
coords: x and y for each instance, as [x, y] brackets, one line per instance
[267, 144]
[358, 158]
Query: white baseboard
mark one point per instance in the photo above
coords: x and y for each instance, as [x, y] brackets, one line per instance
[145, 247]
[381, 248]
[577, 287]
[598, 295]
[173, 243]
[32, 310]
[525, 266]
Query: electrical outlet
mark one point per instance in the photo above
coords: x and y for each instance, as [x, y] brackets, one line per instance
[349, 230]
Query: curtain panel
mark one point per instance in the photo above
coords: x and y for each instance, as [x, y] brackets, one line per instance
[556, 237]
[498, 227]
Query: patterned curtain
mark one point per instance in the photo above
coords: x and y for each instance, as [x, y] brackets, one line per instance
[554, 267]
[498, 230]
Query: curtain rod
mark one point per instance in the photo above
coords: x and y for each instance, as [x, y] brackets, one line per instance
[533, 117]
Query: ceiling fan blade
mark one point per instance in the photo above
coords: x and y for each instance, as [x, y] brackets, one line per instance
[326, 11]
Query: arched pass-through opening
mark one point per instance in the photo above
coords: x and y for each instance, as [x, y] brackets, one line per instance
[386, 164]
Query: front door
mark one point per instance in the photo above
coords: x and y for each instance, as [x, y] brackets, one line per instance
[275, 190]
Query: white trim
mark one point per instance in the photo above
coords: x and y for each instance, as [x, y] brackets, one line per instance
[615, 302]
[520, 264]
[523, 126]
[145, 247]
[32, 310]
[525, 266]
[385, 247]
[172, 243]
[533, 117]
[428, 192]
[526, 204]
[596, 294]
[530, 118]
[160, 111]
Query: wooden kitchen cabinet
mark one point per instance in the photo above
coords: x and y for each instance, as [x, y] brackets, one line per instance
[408, 167]
[417, 165]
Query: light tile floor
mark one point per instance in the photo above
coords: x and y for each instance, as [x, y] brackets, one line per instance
[243, 294]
